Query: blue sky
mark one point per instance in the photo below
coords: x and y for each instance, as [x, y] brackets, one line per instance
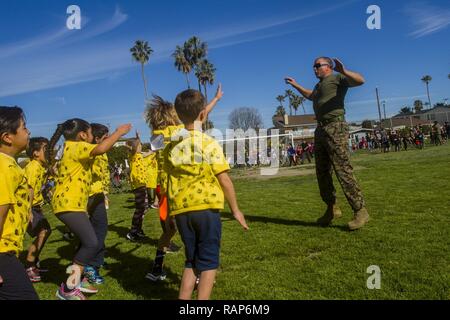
[55, 74]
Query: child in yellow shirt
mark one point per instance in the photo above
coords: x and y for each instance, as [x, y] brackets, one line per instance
[97, 205]
[198, 182]
[15, 206]
[38, 228]
[163, 119]
[70, 198]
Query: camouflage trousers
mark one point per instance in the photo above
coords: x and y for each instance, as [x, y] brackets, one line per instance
[332, 152]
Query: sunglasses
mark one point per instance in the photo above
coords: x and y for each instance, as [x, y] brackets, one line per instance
[318, 65]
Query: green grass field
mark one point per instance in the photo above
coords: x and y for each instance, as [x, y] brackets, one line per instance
[285, 255]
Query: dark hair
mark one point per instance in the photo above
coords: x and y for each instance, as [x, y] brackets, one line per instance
[36, 144]
[10, 118]
[99, 130]
[69, 130]
[189, 104]
[328, 60]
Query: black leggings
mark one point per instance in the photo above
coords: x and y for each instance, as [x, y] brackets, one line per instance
[16, 284]
[79, 224]
[99, 220]
[140, 197]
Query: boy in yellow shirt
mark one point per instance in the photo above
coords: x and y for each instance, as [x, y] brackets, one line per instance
[198, 182]
[38, 228]
[163, 120]
[14, 206]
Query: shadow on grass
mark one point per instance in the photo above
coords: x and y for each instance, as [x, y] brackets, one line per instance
[122, 233]
[130, 273]
[264, 219]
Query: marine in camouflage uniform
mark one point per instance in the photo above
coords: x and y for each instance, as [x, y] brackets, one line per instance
[331, 139]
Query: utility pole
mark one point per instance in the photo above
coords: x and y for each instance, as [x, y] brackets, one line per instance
[384, 108]
[379, 111]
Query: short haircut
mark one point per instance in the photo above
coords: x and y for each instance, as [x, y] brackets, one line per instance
[99, 130]
[189, 104]
[10, 118]
[327, 59]
[36, 144]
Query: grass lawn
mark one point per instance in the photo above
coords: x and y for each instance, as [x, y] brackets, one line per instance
[285, 255]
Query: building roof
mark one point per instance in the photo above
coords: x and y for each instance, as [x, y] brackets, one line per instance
[294, 121]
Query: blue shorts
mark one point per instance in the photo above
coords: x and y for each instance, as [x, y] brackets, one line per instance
[201, 232]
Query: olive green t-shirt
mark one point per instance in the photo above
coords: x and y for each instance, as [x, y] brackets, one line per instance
[328, 96]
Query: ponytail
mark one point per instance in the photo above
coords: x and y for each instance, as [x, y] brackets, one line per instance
[69, 130]
[51, 145]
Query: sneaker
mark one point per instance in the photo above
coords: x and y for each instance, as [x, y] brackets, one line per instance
[152, 276]
[172, 248]
[74, 294]
[86, 287]
[33, 274]
[92, 274]
[39, 267]
[132, 236]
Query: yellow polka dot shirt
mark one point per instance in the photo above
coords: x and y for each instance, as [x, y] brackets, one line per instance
[74, 178]
[100, 175]
[35, 173]
[14, 191]
[192, 165]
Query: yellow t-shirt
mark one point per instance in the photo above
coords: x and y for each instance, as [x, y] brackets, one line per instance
[14, 191]
[192, 165]
[167, 133]
[138, 172]
[151, 166]
[35, 173]
[100, 175]
[74, 177]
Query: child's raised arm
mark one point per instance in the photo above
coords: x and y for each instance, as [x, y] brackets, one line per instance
[211, 105]
[230, 195]
[107, 144]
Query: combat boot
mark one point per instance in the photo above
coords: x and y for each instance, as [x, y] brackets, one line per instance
[361, 218]
[333, 212]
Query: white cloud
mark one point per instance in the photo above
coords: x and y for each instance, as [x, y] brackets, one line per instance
[427, 19]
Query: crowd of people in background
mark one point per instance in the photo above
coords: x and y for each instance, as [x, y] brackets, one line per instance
[396, 140]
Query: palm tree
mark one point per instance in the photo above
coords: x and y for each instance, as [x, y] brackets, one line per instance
[181, 63]
[280, 99]
[280, 111]
[295, 103]
[290, 94]
[141, 53]
[205, 73]
[427, 80]
[301, 100]
[195, 51]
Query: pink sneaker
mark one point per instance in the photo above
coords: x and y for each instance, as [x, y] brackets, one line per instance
[33, 274]
[74, 294]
